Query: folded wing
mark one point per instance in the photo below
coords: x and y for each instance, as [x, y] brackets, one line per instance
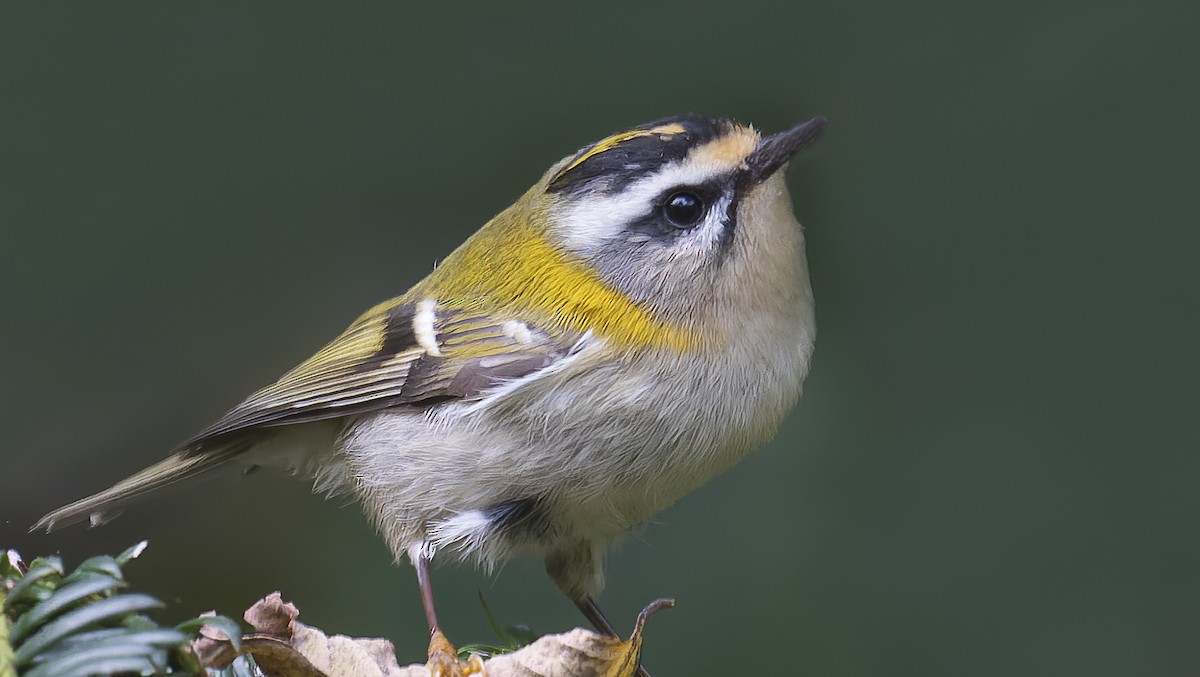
[398, 353]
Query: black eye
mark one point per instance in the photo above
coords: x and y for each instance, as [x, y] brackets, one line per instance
[683, 210]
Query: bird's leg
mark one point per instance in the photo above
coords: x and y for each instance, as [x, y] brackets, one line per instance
[578, 573]
[443, 658]
[593, 613]
[421, 562]
[596, 617]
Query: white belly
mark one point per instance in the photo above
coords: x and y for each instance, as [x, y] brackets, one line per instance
[596, 446]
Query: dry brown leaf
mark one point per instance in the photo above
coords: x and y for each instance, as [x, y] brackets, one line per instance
[579, 653]
[271, 616]
[285, 647]
[277, 657]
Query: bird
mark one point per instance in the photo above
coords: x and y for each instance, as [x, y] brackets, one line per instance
[635, 324]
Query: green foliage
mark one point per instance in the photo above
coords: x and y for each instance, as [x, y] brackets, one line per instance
[511, 637]
[55, 624]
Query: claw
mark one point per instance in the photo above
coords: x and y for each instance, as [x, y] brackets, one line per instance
[444, 662]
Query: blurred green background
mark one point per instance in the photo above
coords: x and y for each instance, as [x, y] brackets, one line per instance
[994, 468]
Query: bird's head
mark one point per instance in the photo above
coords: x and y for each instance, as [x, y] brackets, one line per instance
[643, 235]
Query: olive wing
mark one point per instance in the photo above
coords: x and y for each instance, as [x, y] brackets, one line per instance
[398, 353]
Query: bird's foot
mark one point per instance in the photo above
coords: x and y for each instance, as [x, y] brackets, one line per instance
[444, 662]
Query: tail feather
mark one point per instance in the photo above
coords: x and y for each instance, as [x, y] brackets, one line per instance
[100, 507]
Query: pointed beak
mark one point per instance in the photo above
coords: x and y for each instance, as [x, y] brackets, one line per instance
[774, 151]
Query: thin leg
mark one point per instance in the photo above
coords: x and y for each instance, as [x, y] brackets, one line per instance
[596, 617]
[443, 659]
[598, 621]
[421, 562]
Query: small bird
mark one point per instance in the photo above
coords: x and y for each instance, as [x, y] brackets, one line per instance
[635, 324]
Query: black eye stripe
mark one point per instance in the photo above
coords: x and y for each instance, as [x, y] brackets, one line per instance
[684, 209]
[708, 193]
[659, 223]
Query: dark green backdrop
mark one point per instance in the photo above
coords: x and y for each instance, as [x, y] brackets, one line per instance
[993, 470]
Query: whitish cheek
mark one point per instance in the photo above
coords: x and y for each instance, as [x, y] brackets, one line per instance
[594, 219]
